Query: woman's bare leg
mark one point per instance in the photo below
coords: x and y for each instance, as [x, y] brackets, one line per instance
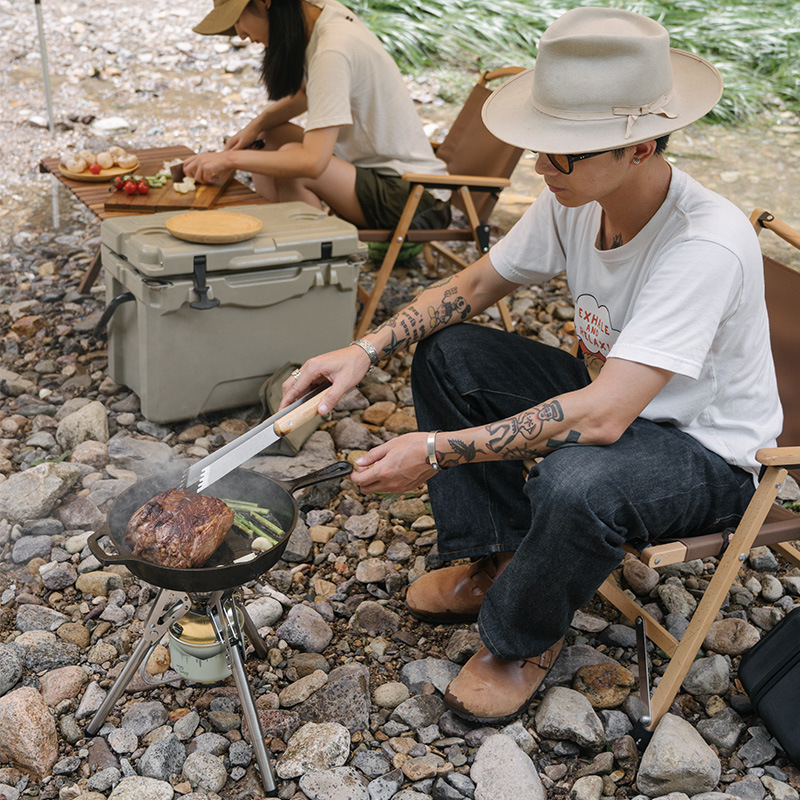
[336, 186]
[275, 139]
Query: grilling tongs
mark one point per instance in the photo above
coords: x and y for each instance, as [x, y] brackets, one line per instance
[213, 467]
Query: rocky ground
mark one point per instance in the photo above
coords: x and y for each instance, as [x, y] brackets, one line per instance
[349, 697]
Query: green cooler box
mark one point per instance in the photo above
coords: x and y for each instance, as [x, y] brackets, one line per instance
[198, 327]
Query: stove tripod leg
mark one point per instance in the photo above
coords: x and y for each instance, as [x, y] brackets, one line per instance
[259, 645]
[167, 607]
[235, 648]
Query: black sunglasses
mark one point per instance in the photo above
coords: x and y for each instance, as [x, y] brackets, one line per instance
[564, 163]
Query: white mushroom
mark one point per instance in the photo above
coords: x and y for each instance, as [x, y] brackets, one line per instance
[75, 163]
[127, 161]
[105, 160]
[88, 156]
[117, 151]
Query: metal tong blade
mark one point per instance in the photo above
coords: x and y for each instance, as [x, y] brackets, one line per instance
[213, 467]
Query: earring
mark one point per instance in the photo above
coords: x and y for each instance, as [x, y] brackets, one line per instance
[637, 160]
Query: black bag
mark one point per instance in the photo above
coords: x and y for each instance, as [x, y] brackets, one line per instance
[770, 674]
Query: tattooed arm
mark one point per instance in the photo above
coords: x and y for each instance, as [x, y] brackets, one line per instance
[598, 414]
[446, 302]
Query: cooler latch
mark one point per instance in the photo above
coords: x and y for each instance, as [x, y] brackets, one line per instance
[200, 285]
[326, 250]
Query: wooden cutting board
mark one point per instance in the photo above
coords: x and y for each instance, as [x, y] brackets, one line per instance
[214, 227]
[165, 199]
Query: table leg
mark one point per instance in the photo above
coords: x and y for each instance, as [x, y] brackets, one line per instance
[90, 276]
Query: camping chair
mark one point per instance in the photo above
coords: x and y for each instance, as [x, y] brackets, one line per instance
[781, 526]
[480, 166]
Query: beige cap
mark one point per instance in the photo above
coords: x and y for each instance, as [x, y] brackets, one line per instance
[221, 19]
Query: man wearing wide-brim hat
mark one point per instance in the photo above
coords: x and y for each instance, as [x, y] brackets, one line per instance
[667, 284]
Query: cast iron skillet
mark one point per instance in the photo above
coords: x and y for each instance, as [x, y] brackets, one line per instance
[219, 572]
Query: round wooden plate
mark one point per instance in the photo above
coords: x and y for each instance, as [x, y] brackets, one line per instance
[103, 175]
[213, 227]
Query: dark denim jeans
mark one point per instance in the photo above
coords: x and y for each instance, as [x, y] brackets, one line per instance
[567, 522]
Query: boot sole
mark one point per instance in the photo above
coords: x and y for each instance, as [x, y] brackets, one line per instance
[489, 720]
[441, 618]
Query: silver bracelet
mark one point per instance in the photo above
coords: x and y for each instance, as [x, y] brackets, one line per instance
[431, 457]
[369, 349]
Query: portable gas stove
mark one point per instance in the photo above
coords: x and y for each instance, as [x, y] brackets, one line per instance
[206, 644]
[197, 606]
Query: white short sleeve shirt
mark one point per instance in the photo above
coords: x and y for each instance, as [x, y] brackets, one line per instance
[686, 294]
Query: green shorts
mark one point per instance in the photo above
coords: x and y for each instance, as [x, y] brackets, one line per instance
[383, 197]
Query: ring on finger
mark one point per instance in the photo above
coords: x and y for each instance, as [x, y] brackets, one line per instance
[296, 374]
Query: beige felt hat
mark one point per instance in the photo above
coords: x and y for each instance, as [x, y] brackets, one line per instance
[604, 78]
[221, 19]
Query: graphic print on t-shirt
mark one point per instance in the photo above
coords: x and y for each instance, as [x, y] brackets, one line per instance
[595, 332]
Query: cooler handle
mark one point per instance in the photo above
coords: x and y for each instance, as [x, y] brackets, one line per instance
[261, 260]
[102, 323]
[200, 285]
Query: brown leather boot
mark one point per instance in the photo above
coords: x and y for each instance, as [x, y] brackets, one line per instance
[455, 594]
[490, 689]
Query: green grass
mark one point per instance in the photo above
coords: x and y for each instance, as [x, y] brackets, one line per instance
[755, 44]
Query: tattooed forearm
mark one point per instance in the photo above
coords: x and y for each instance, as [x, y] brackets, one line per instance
[513, 439]
[573, 437]
[461, 453]
[452, 305]
[526, 427]
[406, 327]
[410, 324]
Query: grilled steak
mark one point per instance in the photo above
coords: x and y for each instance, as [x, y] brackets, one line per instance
[178, 529]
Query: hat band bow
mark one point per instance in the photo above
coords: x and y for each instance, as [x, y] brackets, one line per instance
[631, 112]
[634, 112]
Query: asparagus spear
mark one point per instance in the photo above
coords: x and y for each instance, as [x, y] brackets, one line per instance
[255, 518]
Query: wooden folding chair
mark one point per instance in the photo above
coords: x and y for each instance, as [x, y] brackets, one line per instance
[480, 166]
[764, 522]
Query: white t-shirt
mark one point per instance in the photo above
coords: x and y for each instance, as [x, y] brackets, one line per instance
[686, 294]
[352, 82]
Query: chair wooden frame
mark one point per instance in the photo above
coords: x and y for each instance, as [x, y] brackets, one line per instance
[474, 194]
[763, 523]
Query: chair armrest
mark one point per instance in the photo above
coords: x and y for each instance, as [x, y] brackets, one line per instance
[456, 181]
[779, 457]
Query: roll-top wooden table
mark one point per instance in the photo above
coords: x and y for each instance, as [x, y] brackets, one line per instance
[95, 195]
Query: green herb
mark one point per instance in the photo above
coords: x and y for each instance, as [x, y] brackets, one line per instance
[53, 460]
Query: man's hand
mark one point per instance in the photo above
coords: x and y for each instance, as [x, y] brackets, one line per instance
[398, 465]
[343, 369]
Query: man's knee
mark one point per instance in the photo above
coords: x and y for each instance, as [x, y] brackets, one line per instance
[575, 480]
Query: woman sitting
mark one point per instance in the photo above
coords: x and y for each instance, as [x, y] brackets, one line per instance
[362, 130]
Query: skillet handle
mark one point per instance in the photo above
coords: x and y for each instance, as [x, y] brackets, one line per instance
[102, 555]
[339, 469]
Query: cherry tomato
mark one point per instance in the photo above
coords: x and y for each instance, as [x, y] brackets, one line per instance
[143, 187]
[118, 183]
[95, 169]
[129, 187]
